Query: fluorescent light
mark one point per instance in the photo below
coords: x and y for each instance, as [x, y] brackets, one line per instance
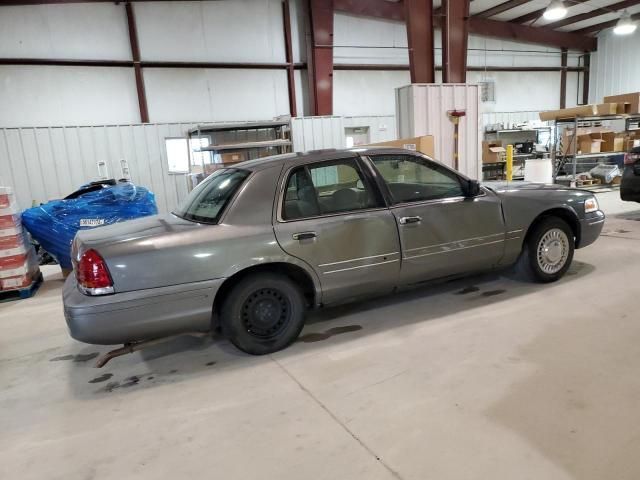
[625, 25]
[555, 11]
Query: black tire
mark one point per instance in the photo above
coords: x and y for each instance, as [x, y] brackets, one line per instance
[532, 262]
[263, 313]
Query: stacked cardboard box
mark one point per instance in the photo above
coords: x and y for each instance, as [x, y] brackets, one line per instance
[592, 140]
[18, 260]
[492, 151]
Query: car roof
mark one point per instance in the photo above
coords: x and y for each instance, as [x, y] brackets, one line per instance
[291, 159]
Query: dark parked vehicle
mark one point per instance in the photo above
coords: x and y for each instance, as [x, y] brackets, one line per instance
[254, 246]
[630, 186]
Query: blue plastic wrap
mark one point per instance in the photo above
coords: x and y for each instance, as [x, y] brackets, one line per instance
[54, 224]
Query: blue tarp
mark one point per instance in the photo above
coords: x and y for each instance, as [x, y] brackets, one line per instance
[54, 224]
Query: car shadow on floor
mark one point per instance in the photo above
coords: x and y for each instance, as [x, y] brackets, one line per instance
[186, 357]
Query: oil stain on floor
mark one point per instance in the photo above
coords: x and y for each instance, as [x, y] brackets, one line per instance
[492, 293]
[76, 358]
[319, 336]
[466, 290]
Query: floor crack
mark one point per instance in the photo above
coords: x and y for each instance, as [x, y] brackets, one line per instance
[337, 420]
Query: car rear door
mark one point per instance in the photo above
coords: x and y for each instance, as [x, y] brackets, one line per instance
[331, 215]
[442, 232]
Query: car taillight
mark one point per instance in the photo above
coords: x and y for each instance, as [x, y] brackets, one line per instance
[93, 275]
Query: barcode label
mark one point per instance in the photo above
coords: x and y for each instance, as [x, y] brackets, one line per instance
[91, 222]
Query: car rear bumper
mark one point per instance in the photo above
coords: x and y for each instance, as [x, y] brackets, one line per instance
[590, 228]
[138, 315]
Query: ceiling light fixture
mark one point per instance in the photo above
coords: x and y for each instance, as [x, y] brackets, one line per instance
[555, 11]
[625, 25]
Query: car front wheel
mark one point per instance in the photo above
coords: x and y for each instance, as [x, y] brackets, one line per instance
[548, 251]
[263, 313]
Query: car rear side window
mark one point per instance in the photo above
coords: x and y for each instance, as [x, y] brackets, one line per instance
[327, 188]
[413, 179]
[207, 201]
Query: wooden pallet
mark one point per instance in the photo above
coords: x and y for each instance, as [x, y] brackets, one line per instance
[588, 182]
[22, 293]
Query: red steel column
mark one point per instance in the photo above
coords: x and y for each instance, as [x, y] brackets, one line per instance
[135, 55]
[320, 58]
[419, 18]
[455, 36]
[291, 84]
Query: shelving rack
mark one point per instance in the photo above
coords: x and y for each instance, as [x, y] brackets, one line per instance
[513, 136]
[584, 161]
[229, 143]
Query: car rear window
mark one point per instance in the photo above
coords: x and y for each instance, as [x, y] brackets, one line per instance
[207, 201]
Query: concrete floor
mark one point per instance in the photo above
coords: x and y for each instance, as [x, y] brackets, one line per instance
[481, 378]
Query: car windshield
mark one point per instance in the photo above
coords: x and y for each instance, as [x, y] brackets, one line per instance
[206, 202]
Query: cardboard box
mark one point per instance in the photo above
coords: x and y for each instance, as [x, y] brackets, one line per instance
[612, 142]
[424, 144]
[233, 157]
[492, 151]
[581, 111]
[591, 143]
[633, 99]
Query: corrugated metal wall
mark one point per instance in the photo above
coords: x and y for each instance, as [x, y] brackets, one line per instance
[42, 163]
[315, 133]
[614, 67]
[421, 109]
[45, 163]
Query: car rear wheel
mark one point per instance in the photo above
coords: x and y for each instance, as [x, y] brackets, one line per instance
[548, 251]
[263, 313]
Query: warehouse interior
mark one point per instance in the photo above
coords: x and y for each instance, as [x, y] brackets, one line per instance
[319, 238]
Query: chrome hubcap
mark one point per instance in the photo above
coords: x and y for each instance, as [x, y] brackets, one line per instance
[553, 251]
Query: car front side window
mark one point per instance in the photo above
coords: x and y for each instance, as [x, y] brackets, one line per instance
[413, 179]
[327, 188]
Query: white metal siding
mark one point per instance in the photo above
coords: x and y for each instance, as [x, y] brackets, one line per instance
[422, 110]
[316, 133]
[42, 164]
[614, 67]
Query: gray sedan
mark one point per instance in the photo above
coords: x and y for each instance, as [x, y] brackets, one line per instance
[254, 246]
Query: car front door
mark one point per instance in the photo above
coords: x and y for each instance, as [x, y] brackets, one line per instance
[331, 215]
[442, 231]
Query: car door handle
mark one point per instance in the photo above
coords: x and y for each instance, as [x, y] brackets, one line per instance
[407, 220]
[304, 235]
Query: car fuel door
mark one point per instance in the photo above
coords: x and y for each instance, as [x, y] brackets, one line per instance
[331, 216]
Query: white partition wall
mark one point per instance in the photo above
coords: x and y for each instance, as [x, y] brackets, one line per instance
[43, 164]
[421, 109]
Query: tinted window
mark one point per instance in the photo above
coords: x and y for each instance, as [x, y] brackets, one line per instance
[206, 202]
[325, 188]
[412, 179]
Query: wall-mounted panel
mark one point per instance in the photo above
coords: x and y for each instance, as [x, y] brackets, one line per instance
[518, 91]
[73, 31]
[221, 31]
[52, 96]
[218, 95]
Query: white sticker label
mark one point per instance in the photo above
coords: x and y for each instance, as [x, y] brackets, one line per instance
[91, 222]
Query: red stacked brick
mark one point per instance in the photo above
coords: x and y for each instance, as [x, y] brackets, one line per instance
[18, 261]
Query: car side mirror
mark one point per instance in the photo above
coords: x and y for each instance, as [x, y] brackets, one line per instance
[472, 188]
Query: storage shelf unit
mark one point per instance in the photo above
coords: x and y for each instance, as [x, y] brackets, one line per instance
[217, 146]
[572, 163]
